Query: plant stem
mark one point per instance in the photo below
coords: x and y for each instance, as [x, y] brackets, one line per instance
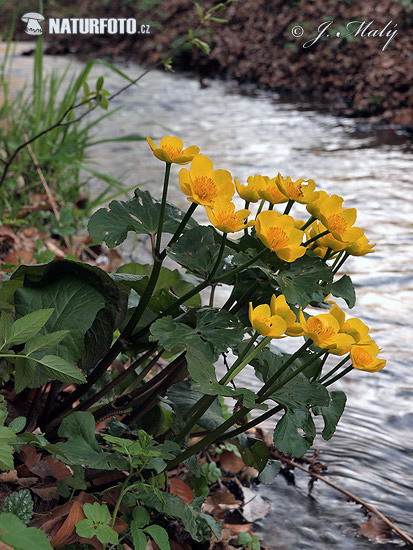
[327, 254]
[246, 296]
[87, 404]
[336, 261]
[219, 257]
[322, 234]
[122, 493]
[288, 207]
[341, 262]
[342, 373]
[261, 206]
[334, 369]
[251, 423]
[284, 367]
[241, 363]
[199, 408]
[292, 375]
[181, 227]
[308, 223]
[163, 206]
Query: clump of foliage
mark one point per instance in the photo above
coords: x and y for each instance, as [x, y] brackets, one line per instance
[65, 324]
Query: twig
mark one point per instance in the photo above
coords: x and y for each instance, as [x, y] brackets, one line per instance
[402, 534]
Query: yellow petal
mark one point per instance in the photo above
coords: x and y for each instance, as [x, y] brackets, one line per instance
[172, 142]
[201, 166]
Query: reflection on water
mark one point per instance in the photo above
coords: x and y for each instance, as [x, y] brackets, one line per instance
[371, 453]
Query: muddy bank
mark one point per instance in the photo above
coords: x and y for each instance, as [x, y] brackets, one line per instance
[351, 75]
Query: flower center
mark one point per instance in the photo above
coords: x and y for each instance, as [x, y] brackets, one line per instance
[362, 357]
[205, 188]
[228, 219]
[171, 151]
[277, 238]
[337, 223]
[315, 325]
[295, 189]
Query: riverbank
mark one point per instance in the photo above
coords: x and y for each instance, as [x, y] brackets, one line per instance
[350, 76]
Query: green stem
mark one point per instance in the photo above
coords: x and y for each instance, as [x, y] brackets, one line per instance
[239, 365]
[334, 369]
[261, 206]
[199, 408]
[308, 223]
[247, 204]
[342, 373]
[246, 296]
[273, 389]
[181, 227]
[122, 493]
[241, 267]
[284, 367]
[251, 423]
[288, 207]
[323, 234]
[271, 206]
[336, 261]
[341, 262]
[219, 257]
[163, 206]
[327, 254]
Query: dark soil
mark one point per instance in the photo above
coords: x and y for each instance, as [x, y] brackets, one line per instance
[351, 76]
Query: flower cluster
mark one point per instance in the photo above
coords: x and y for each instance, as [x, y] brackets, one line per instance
[328, 232]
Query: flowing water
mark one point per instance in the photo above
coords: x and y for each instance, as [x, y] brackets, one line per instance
[371, 452]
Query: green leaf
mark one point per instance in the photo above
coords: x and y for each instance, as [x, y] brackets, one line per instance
[270, 471]
[106, 534]
[7, 436]
[15, 533]
[19, 503]
[344, 288]
[98, 513]
[28, 326]
[82, 447]
[288, 439]
[5, 327]
[332, 412]
[59, 369]
[255, 454]
[299, 392]
[43, 342]
[140, 516]
[88, 303]
[183, 399]
[140, 214]
[17, 424]
[197, 250]
[75, 307]
[301, 282]
[170, 284]
[159, 535]
[24, 371]
[138, 537]
[214, 332]
[85, 528]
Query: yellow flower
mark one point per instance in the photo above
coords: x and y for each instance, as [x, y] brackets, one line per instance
[277, 232]
[296, 191]
[339, 221]
[273, 320]
[361, 247]
[364, 357]
[224, 217]
[324, 331]
[270, 191]
[328, 241]
[203, 185]
[280, 307]
[250, 192]
[313, 207]
[171, 149]
[353, 327]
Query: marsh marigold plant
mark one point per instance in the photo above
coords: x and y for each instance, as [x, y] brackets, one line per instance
[239, 280]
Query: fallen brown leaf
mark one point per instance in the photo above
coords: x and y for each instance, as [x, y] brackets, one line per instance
[374, 529]
[220, 501]
[231, 462]
[180, 489]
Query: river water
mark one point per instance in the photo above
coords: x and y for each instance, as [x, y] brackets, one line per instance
[249, 133]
